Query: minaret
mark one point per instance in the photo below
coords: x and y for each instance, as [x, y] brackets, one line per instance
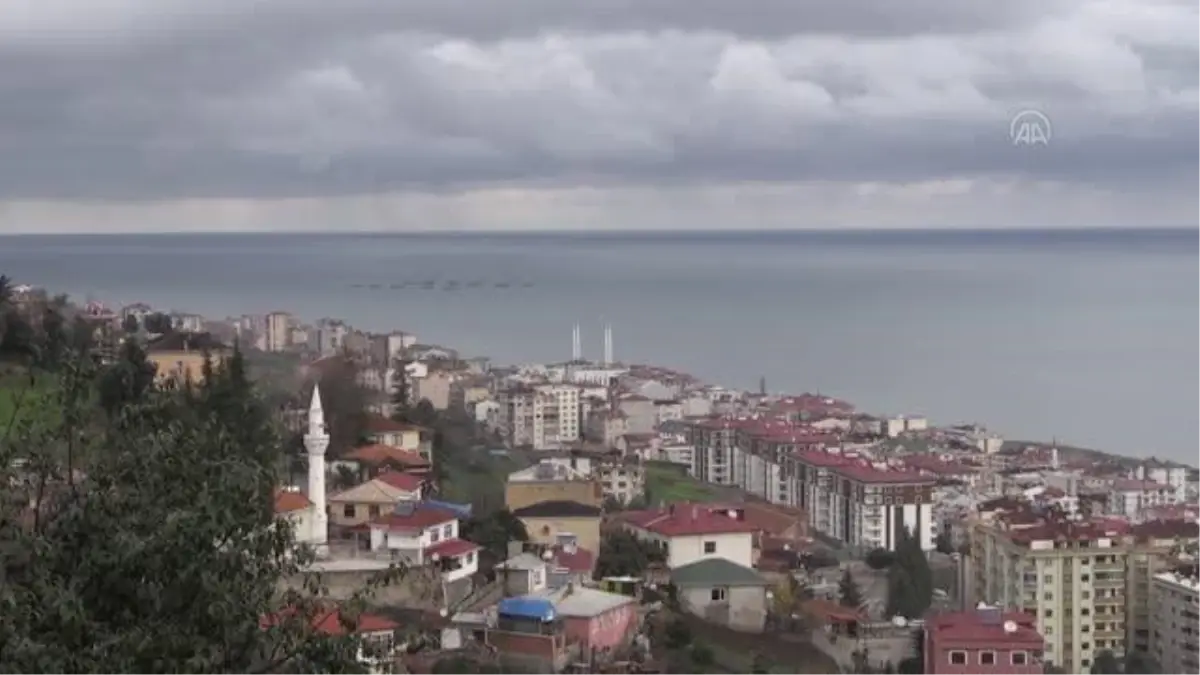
[576, 344]
[608, 346]
[316, 441]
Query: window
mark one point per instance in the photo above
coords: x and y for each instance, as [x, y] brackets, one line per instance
[348, 510]
[1084, 578]
[710, 547]
[1049, 613]
[987, 658]
[958, 658]
[435, 535]
[448, 531]
[373, 510]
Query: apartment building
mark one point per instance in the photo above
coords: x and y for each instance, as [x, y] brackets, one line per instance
[616, 477]
[1173, 643]
[1086, 581]
[545, 416]
[1133, 497]
[865, 505]
[785, 462]
[278, 334]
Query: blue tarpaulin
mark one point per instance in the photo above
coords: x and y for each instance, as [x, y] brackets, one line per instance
[537, 609]
[463, 510]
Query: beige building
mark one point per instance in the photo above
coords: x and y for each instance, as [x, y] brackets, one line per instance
[181, 355]
[435, 387]
[546, 522]
[377, 497]
[518, 494]
[1086, 582]
[1173, 641]
[544, 417]
[278, 335]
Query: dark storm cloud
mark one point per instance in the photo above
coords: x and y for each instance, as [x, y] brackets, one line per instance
[211, 98]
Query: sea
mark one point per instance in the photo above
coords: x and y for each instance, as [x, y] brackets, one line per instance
[1089, 337]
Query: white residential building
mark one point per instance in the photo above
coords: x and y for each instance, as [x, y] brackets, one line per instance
[278, 335]
[894, 426]
[691, 532]
[1131, 497]
[425, 535]
[1174, 476]
[1173, 636]
[544, 416]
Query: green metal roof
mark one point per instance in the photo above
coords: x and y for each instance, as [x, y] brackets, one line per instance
[716, 572]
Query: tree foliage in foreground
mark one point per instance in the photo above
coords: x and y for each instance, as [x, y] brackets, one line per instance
[148, 542]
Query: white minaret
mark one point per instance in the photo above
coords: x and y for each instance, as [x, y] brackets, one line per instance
[316, 441]
[608, 346]
[576, 344]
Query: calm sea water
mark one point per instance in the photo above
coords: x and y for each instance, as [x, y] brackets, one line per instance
[1088, 336]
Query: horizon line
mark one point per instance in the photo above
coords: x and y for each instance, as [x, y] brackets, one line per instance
[851, 230]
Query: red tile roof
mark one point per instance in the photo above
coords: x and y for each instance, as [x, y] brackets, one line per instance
[379, 454]
[685, 520]
[419, 519]
[329, 622]
[579, 561]
[860, 470]
[973, 627]
[287, 501]
[451, 548]
[401, 480]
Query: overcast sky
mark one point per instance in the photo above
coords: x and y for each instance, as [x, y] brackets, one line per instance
[164, 115]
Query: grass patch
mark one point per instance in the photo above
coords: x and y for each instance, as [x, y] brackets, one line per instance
[667, 482]
[20, 402]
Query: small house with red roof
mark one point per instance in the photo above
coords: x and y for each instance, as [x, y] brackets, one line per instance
[297, 509]
[370, 500]
[984, 640]
[372, 460]
[414, 438]
[425, 534]
[378, 648]
[690, 532]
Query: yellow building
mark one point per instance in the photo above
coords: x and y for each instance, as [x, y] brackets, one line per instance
[519, 494]
[181, 355]
[546, 521]
[1087, 582]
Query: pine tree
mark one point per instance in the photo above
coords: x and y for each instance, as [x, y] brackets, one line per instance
[848, 590]
[165, 555]
[401, 391]
[902, 597]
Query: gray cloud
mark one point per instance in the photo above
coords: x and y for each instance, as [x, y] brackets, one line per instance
[166, 99]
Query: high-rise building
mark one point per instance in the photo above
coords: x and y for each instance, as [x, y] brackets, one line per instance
[278, 336]
[1173, 642]
[1086, 581]
[543, 416]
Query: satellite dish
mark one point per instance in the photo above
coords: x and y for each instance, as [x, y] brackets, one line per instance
[899, 621]
[1010, 626]
[547, 555]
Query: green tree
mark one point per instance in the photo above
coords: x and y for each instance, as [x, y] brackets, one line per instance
[622, 554]
[158, 322]
[401, 391]
[879, 559]
[130, 324]
[917, 574]
[55, 339]
[165, 553]
[493, 531]
[345, 403]
[1106, 662]
[127, 381]
[943, 543]
[1141, 663]
[902, 597]
[848, 591]
[759, 663]
[678, 634]
[702, 656]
